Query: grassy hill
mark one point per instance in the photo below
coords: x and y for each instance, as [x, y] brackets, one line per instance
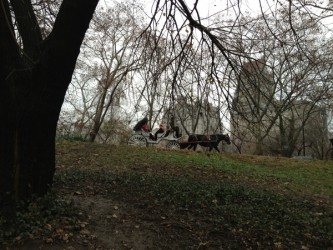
[146, 198]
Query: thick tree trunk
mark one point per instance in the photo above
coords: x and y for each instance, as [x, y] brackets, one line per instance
[31, 99]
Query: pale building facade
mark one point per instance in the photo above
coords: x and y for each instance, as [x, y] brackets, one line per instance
[261, 125]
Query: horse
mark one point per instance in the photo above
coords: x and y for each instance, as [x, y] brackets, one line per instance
[211, 141]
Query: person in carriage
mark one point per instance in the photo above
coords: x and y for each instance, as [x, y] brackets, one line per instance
[142, 125]
[159, 131]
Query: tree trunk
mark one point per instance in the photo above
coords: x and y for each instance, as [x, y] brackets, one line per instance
[98, 116]
[31, 97]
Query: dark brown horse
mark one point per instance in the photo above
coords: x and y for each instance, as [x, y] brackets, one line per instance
[211, 141]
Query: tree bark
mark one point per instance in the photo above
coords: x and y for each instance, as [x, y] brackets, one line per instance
[31, 96]
[97, 121]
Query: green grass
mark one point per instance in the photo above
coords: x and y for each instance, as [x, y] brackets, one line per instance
[281, 189]
[314, 177]
[271, 202]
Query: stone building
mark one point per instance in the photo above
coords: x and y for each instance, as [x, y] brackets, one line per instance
[261, 124]
[252, 108]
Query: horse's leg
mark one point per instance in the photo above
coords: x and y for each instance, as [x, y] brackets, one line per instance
[216, 147]
[209, 145]
[203, 144]
[195, 146]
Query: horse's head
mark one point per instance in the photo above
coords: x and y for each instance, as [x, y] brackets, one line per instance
[225, 138]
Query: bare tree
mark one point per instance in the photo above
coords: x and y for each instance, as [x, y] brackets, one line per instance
[107, 57]
[35, 70]
[33, 81]
[285, 43]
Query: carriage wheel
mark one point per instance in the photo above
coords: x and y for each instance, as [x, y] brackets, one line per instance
[329, 154]
[173, 145]
[137, 140]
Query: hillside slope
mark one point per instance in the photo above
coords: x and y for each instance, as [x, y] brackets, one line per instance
[147, 198]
